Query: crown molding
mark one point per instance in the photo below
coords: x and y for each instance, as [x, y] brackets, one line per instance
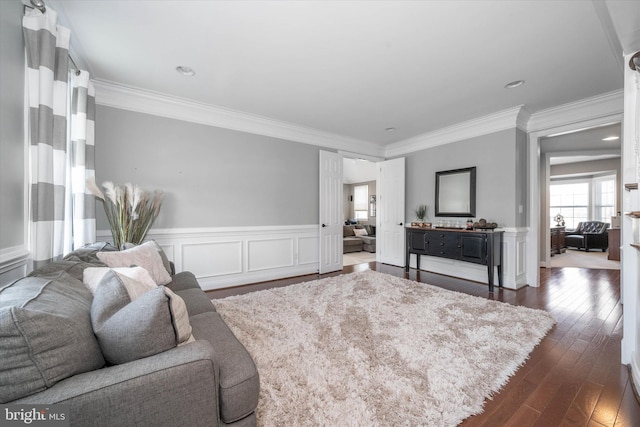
[506, 119]
[110, 94]
[592, 108]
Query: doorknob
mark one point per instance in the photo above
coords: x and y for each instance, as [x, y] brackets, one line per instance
[324, 225]
[400, 224]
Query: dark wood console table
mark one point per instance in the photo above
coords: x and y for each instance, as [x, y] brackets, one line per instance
[476, 246]
[557, 241]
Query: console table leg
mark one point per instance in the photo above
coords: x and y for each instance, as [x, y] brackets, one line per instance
[490, 267]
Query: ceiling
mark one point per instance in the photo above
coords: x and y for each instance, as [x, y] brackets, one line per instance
[357, 68]
[584, 145]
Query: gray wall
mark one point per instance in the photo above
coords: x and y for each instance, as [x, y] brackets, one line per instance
[522, 193]
[211, 177]
[12, 173]
[500, 176]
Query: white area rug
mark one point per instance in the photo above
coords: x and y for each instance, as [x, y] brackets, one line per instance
[368, 349]
[582, 259]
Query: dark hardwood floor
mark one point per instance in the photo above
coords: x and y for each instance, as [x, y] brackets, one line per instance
[574, 376]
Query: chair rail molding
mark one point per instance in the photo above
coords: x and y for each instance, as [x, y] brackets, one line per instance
[221, 257]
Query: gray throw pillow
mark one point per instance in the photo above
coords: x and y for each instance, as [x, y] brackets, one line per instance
[128, 329]
[46, 334]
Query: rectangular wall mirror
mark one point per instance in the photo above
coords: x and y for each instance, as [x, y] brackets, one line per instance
[456, 193]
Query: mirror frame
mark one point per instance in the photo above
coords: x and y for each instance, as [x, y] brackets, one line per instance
[444, 188]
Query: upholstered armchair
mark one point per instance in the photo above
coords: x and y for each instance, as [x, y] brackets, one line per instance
[588, 235]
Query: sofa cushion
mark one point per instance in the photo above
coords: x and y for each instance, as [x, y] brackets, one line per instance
[46, 334]
[145, 255]
[74, 267]
[88, 252]
[347, 230]
[352, 241]
[239, 380]
[371, 229]
[131, 324]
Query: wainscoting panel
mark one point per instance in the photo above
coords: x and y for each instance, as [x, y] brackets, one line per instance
[212, 259]
[14, 264]
[272, 253]
[230, 256]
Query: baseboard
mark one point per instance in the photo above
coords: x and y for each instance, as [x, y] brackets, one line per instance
[634, 367]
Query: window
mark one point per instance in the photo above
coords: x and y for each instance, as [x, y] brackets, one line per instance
[605, 198]
[571, 200]
[587, 199]
[361, 201]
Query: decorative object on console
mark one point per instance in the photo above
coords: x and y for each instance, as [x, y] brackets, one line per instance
[482, 224]
[559, 219]
[130, 210]
[421, 213]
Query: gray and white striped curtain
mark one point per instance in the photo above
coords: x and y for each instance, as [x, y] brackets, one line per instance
[81, 209]
[47, 46]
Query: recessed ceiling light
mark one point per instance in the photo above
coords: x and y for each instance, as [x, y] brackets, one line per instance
[514, 84]
[185, 71]
[390, 129]
[611, 138]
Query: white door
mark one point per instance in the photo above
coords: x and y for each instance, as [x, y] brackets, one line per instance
[330, 212]
[390, 219]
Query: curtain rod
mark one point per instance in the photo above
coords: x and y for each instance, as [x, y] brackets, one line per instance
[39, 4]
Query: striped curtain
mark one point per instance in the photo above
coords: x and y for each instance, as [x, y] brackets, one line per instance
[81, 207]
[47, 46]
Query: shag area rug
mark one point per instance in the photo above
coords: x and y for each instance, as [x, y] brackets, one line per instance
[368, 349]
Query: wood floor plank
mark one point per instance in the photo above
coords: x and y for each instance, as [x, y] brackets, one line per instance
[629, 413]
[580, 411]
[573, 377]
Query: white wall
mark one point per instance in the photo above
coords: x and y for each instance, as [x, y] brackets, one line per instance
[630, 256]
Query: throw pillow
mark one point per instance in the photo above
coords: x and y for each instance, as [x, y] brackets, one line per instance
[137, 280]
[132, 328]
[347, 231]
[46, 332]
[93, 276]
[145, 255]
[360, 232]
[163, 255]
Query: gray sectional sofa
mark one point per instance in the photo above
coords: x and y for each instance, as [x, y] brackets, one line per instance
[353, 243]
[51, 355]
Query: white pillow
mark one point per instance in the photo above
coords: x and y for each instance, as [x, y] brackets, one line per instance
[92, 276]
[360, 232]
[145, 255]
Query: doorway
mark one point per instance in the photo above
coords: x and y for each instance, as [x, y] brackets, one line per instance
[359, 207]
[580, 182]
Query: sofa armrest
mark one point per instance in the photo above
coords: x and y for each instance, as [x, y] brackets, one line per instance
[176, 387]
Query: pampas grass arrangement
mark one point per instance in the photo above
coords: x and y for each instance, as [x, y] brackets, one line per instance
[130, 210]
